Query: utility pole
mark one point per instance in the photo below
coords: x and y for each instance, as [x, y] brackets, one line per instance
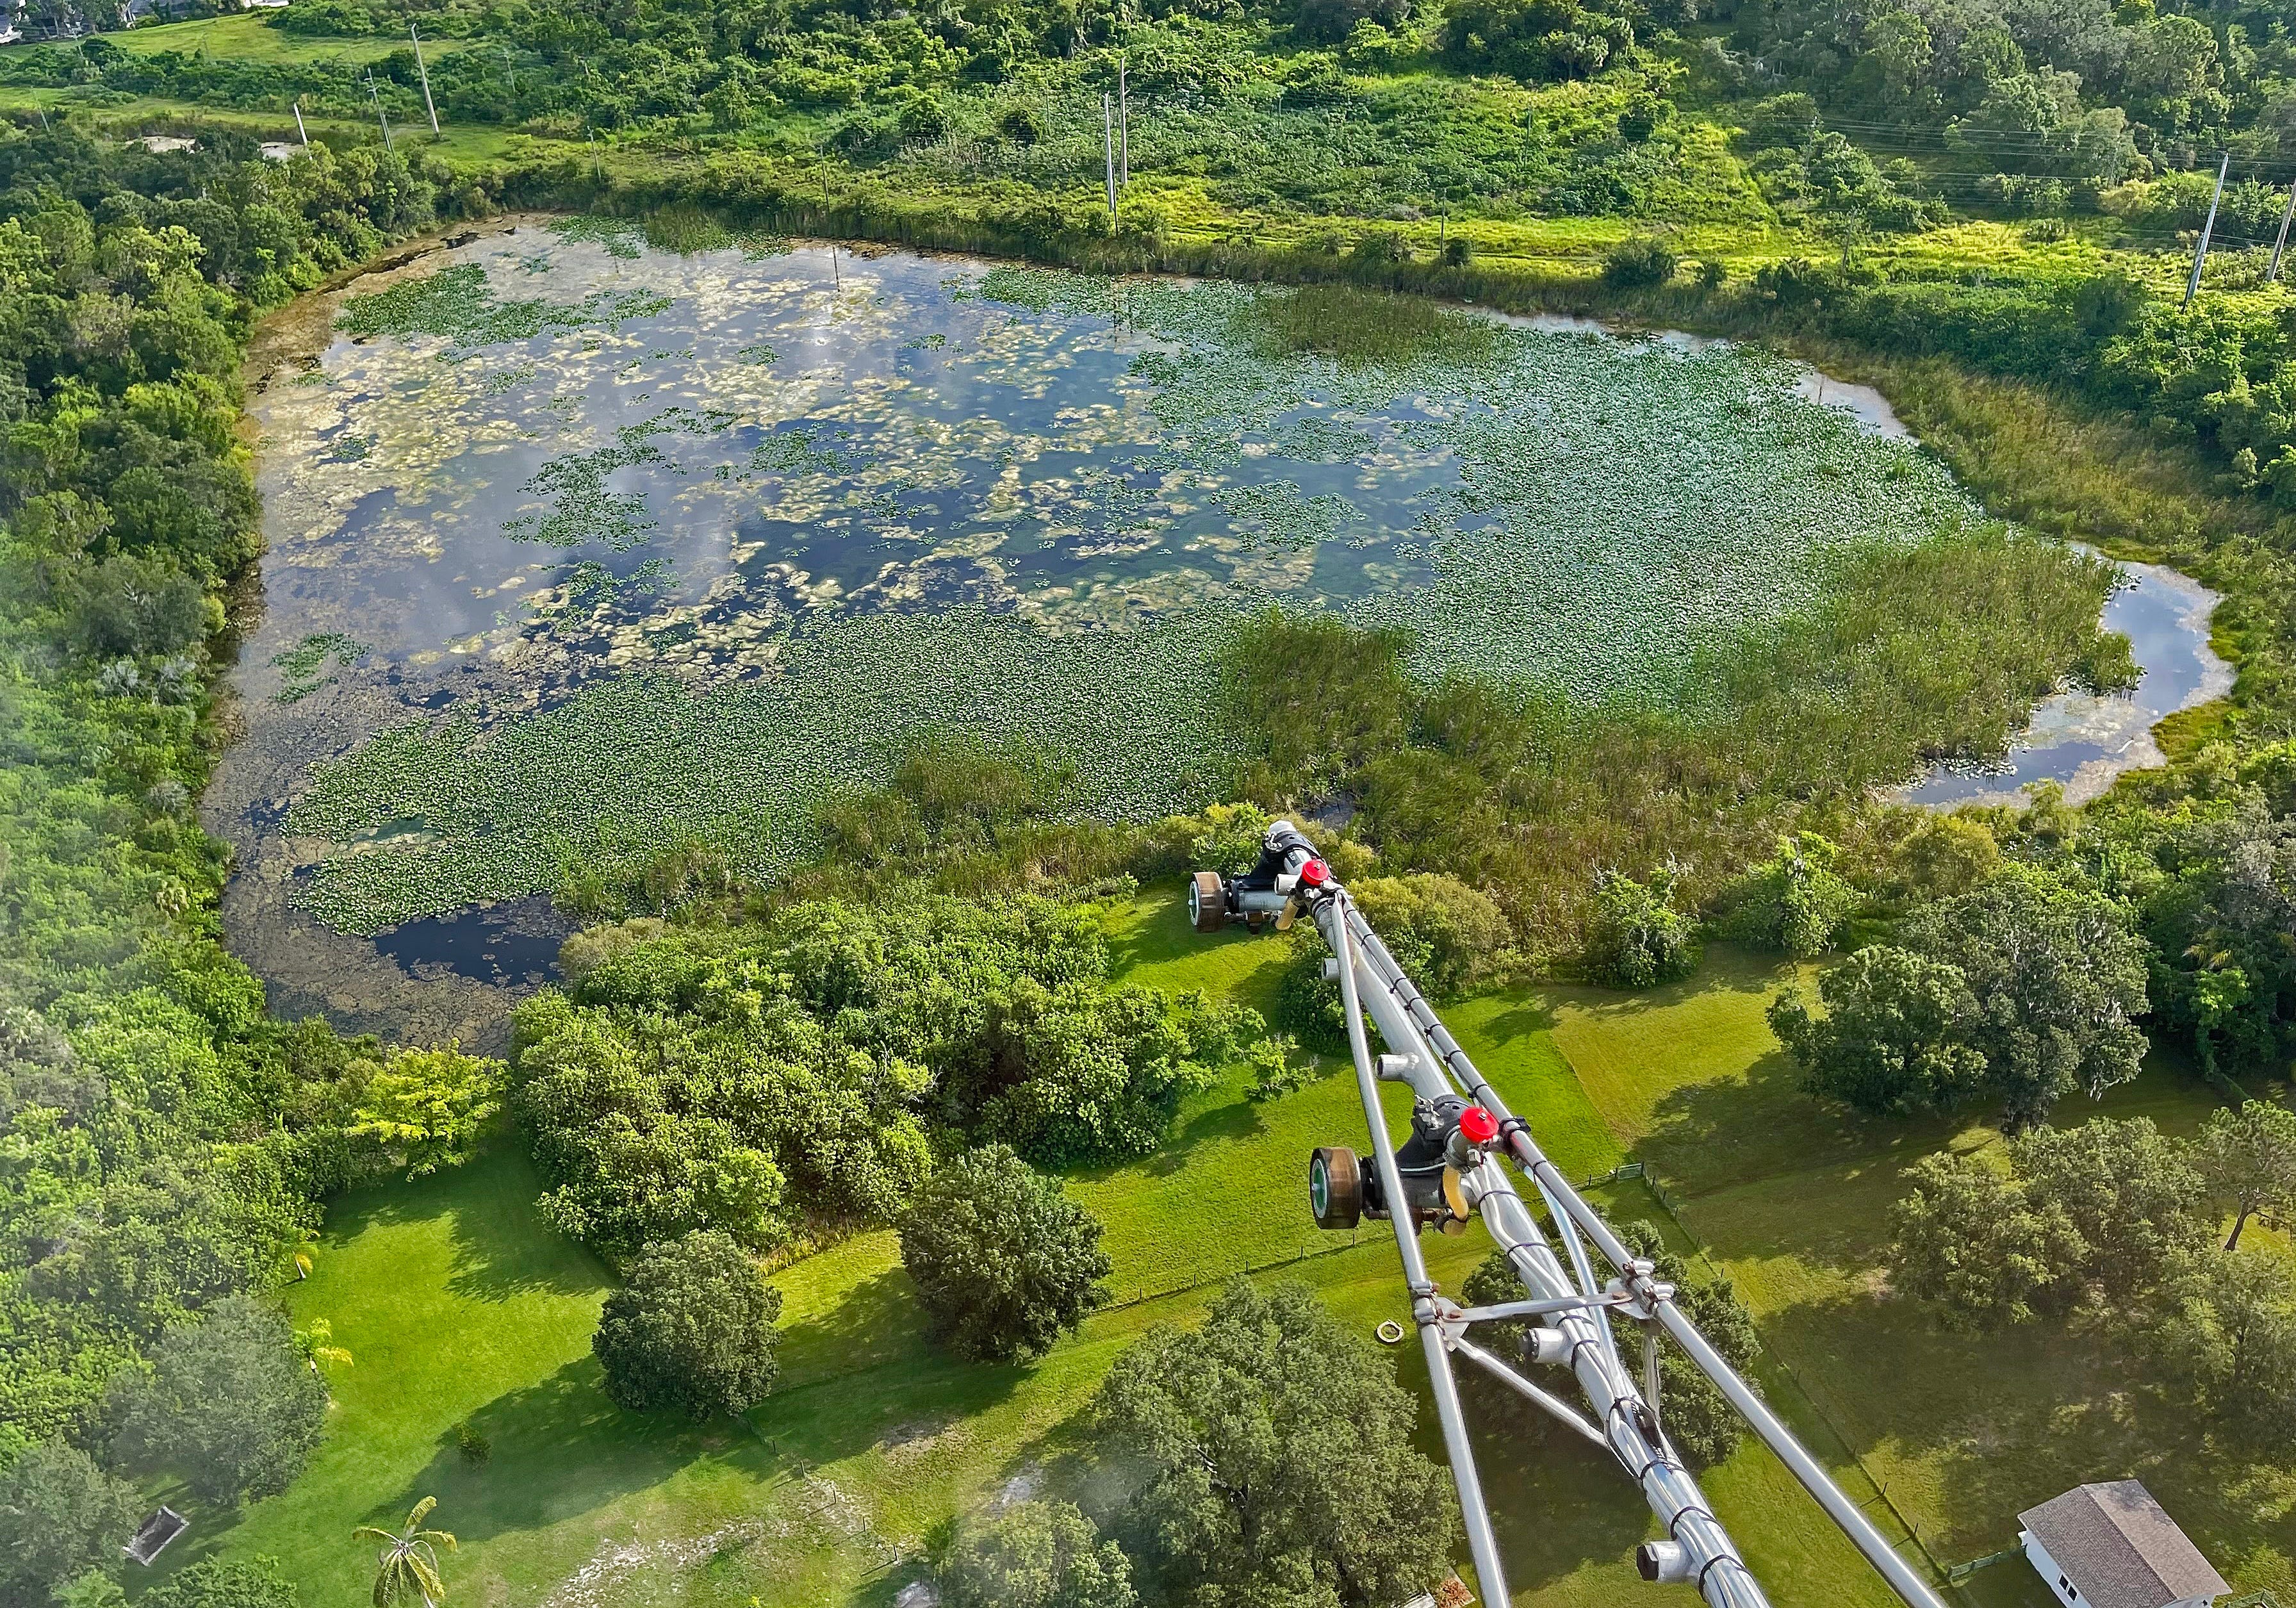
[1123, 130]
[375, 95]
[425, 73]
[1108, 144]
[2193, 286]
[301, 132]
[2287, 213]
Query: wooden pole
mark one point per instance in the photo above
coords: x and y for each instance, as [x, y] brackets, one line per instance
[2200, 255]
[2287, 213]
[425, 73]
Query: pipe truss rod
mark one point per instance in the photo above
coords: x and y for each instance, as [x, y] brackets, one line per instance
[1482, 1544]
[1416, 1019]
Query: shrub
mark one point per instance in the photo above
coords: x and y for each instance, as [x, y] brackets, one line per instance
[60, 1515]
[1230, 841]
[1638, 262]
[1023, 125]
[692, 1329]
[1277, 1071]
[1795, 902]
[1003, 1260]
[477, 1449]
[923, 122]
[220, 1583]
[1635, 939]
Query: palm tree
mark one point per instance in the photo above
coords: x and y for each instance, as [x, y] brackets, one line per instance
[407, 1568]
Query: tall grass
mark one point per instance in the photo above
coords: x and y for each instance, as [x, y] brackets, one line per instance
[1913, 654]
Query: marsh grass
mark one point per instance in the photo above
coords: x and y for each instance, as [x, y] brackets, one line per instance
[1913, 654]
[1360, 327]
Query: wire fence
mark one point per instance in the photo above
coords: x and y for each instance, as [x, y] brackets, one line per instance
[1204, 1275]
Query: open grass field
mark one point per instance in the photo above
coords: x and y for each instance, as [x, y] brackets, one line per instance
[459, 1307]
[248, 37]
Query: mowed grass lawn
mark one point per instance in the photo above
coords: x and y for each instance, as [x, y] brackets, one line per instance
[460, 1307]
[1962, 1431]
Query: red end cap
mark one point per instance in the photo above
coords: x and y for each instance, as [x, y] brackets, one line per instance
[1478, 1125]
[1315, 873]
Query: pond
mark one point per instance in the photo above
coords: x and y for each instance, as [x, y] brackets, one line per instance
[575, 545]
[2081, 740]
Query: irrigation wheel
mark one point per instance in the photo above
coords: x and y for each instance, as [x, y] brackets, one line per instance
[1208, 902]
[1334, 1187]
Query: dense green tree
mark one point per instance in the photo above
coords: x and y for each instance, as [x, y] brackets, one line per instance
[1003, 1260]
[229, 1404]
[2249, 1158]
[1973, 1241]
[2059, 982]
[1796, 902]
[1894, 1036]
[2130, 1192]
[748, 1078]
[221, 1583]
[2223, 929]
[1034, 1554]
[1240, 1430]
[2230, 1332]
[426, 1109]
[692, 1328]
[60, 1516]
[2110, 1212]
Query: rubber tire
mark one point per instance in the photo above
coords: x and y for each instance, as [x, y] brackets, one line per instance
[1340, 1187]
[1208, 902]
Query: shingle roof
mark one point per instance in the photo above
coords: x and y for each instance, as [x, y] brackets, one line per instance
[2117, 1545]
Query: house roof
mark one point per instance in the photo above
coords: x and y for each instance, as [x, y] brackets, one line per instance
[2116, 1544]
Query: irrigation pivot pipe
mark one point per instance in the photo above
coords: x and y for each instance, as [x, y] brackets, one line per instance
[1449, 1174]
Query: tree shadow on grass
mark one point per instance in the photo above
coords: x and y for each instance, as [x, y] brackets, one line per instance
[1526, 1016]
[559, 1448]
[2014, 1418]
[876, 1323]
[1735, 1131]
[1238, 1118]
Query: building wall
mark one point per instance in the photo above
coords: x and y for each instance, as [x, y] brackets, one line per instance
[2047, 1567]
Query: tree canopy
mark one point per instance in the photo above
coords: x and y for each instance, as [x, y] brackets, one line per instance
[692, 1328]
[1003, 1260]
[229, 1403]
[754, 1078]
[2058, 978]
[1034, 1554]
[1238, 1431]
[1894, 1036]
